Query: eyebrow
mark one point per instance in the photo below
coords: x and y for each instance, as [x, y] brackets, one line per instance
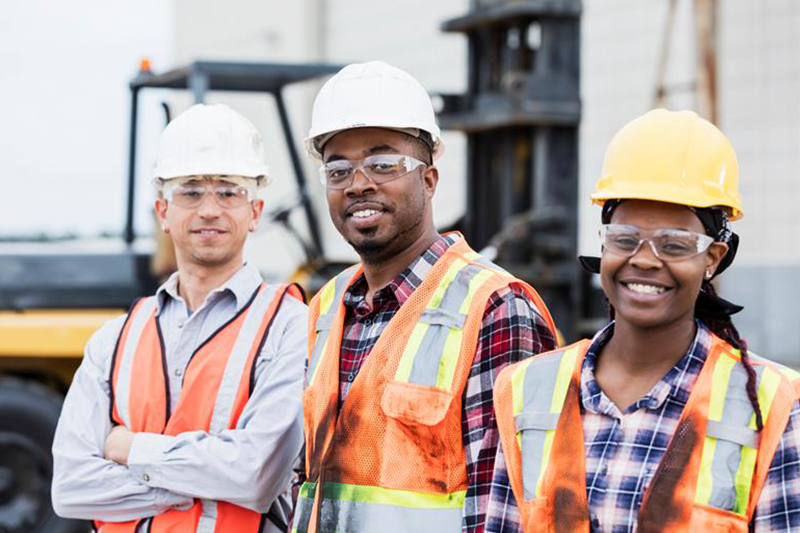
[379, 149]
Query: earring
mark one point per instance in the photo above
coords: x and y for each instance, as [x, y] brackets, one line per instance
[709, 273]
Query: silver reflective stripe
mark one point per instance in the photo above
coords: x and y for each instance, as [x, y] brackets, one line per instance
[543, 421]
[743, 436]
[208, 517]
[538, 388]
[339, 516]
[237, 360]
[325, 321]
[442, 319]
[737, 413]
[481, 260]
[302, 515]
[126, 355]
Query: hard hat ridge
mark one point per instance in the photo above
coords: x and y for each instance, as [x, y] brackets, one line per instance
[210, 140]
[372, 94]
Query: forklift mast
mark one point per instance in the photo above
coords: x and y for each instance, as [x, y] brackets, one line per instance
[521, 115]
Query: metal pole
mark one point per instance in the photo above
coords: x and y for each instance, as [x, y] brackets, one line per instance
[128, 234]
[313, 224]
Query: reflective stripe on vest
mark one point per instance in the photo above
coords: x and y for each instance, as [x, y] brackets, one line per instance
[330, 297]
[730, 448]
[730, 458]
[539, 392]
[216, 388]
[354, 509]
[405, 399]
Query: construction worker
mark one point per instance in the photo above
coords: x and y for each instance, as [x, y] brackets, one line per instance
[664, 421]
[404, 347]
[185, 414]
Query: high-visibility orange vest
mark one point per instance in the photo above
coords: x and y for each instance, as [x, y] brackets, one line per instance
[711, 474]
[216, 386]
[393, 459]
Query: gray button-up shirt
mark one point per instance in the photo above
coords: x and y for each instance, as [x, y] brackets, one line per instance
[249, 466]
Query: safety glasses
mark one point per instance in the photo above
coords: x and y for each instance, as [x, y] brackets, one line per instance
[666, 244]
[379, 169]
[191, 194]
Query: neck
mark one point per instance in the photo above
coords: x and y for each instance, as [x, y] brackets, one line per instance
[646, 352]
[380, 273]
[195, 281]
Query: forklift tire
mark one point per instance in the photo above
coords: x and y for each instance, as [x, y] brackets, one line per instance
[28, 416]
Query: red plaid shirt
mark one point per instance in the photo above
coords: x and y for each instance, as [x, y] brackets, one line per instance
[512, 329]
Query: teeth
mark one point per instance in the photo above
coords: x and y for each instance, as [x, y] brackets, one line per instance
[208, 231]
[364, 213]
[645, 289]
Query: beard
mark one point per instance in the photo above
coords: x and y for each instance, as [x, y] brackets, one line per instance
[373, 249]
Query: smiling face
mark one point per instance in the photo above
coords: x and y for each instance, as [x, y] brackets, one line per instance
[209, 235]
[644, 290]
[380, 221]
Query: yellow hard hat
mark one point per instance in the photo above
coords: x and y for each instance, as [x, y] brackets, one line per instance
[671, 156]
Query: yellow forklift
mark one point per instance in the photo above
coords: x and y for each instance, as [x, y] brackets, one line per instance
[53, 296]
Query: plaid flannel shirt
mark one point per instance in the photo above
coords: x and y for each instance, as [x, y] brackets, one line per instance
[511, 330]
[623, 451]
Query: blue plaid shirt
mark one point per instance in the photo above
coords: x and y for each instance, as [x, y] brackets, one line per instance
[623, 450]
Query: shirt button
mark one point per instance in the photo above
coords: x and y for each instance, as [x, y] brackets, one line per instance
[178, 372]
[595, 522]
[604, 471]
[146, 477]
[351, 377]
[181, 323]
[367, 322]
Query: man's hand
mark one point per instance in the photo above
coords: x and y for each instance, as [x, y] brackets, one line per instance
[118, 445]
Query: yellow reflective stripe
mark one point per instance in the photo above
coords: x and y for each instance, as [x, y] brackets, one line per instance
[517, 387]
[452, 346]
[418, 333]
[326, 297]
[412, 347]
[768, 388]
[318, 365]
[563, 379]
[449, 276]
[791, 375]
[720, 380]
[398, 497]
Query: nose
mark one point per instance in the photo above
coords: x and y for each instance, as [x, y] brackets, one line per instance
[645, 257]
[208, 207]
[361, 183]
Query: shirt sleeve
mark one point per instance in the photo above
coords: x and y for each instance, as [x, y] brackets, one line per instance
[778, 506]
[85, 484]
[251, 465]
[512, 330]
[502, 513]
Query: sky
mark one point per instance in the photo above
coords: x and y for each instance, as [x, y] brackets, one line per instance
[64, 103]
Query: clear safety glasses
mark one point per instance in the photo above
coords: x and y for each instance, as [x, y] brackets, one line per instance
[191, 194]
[666, 244]
[378, 168]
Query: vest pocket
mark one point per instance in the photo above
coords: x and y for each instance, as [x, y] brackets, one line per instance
[419, 453]
[712, 520]
[536, 515]
[415, 404]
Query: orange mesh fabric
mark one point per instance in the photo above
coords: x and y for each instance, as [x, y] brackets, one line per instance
[392, 434]
[194, 409]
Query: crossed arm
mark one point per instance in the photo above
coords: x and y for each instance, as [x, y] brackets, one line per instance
[111, 474]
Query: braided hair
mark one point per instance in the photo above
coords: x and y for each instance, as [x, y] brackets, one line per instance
[714, 312]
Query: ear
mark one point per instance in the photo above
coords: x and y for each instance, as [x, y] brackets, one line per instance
[714, 255]
[257, 209]
[430, 179]
[161, 213]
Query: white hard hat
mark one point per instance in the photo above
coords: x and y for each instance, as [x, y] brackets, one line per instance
[210, 140]
[373, 94]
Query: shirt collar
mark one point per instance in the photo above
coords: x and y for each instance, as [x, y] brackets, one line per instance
[241, 286]
[402, 286]
[676, 384]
